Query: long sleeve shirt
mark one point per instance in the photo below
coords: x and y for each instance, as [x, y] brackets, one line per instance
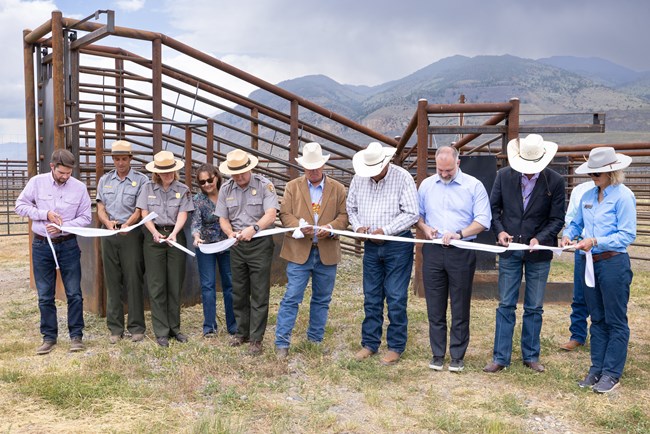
[612, 222]
[454, 206]
[42, 194]
[390, 204]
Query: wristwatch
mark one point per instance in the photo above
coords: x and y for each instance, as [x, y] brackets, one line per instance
[460, 232]
[257, 228]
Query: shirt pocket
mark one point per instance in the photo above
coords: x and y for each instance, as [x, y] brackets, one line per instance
[255, 207]
[129, 199]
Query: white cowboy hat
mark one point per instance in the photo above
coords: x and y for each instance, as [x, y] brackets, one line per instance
[164, 162]
[121, 147]
[312, 156]
[372, 160]
[604, 159]
[237, 162]
[530, 155]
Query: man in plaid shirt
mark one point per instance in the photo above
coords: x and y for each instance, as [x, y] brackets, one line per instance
[382, 200]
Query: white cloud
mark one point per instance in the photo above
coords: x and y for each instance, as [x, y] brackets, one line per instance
[130, 5]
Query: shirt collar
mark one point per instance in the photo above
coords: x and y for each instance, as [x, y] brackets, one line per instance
[321, 185]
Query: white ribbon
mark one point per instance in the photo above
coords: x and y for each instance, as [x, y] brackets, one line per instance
[93, 232]
[590, 278]
[98, 232]
[297, 234]
[178, 246]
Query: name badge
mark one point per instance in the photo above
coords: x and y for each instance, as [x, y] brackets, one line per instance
[151, 197]
[588, 206]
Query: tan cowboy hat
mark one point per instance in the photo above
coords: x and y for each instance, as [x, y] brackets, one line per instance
[164, 162]
[312, 156]
[372, 160]
[237, 162]
[121, 147]
[604, 159]
[530, 155]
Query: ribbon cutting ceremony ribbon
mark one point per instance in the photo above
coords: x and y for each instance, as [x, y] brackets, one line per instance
[178, 246]
[93, 232]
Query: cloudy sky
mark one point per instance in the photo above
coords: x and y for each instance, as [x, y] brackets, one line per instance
[354, 42]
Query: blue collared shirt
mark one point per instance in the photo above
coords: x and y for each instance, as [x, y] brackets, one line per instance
[612, 222]
[453, 206]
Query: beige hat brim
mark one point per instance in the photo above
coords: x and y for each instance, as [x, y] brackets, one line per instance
[223, 167]
[365, 171]
[527, 167]
[151, 167]
[622, 161]
[313, 164]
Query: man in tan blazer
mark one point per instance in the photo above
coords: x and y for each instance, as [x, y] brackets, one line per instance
[318, 200]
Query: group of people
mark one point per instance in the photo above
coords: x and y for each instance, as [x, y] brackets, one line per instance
[526, 206]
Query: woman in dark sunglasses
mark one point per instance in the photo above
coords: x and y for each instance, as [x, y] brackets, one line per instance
[206, 229]
[607, 214]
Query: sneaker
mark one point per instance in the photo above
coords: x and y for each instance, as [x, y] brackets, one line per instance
[456, 365]
[281, 353]
[113, 339]
[589, 381]
[180, 337]
[605, 385]
[437, 363]
[137, 337]
[76, 345]
[46, 348]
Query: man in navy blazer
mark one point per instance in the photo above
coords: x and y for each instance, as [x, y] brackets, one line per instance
[527, 202]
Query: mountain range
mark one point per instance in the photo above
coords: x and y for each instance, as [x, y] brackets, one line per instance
[545, 87]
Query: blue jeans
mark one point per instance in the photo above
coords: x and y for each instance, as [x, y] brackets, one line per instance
[208, 275]
[386, 275]
[69, 257]
[322, 286]
[607, 304]
[510, 273]
[579, 311]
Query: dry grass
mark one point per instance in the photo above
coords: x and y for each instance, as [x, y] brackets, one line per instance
[206, 386]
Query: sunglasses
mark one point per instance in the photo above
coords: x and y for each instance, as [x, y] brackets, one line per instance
[595, 175]
[204, 181]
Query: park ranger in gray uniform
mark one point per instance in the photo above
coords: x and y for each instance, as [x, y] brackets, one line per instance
[117, 192]
[165, 264]
[247, 204]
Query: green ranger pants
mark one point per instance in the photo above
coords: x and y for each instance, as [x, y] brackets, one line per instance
[250, 264]
[165, 271]
[124, 273]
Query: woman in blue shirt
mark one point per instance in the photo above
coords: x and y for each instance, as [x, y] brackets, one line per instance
[206, 229]
[607, 213]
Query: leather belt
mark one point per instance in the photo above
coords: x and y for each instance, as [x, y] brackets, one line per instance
[314, 245]
[605, 255]
[56, 240]
[165, 228]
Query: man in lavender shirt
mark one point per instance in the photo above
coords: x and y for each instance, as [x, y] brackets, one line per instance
[56, 197]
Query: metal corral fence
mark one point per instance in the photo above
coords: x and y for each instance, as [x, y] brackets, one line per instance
[13, 178]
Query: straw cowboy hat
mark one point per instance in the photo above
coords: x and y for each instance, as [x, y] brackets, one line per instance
[237, 162]
[530, 155]
[604, 159]
[164, 162]
[312, 156]
[372, 160]
[121, 147]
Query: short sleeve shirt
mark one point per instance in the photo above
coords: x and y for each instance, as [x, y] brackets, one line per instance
[167, 204]
[244, 207]
[120, 195]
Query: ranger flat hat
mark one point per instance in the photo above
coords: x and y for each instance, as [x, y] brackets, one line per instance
[237, 162]
[164, 162]
[121, 147]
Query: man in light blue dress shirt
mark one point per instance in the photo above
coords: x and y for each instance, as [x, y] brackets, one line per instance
[453, 206]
